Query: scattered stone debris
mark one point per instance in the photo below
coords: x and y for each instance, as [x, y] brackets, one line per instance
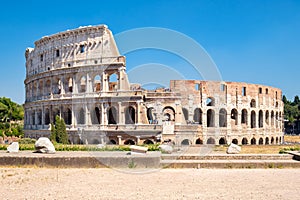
[165, 148]
[234, 149]
[13, 147]
[44, 145]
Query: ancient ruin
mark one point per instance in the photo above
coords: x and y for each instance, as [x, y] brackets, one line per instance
[80, 76]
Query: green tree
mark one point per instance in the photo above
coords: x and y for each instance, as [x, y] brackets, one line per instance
[59, 132]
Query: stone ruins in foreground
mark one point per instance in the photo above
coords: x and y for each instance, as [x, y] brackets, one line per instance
[70, 74]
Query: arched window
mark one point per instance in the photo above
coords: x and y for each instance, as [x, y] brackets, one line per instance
[244, 141]
[83, 84]
[253, 141]
[198, 116]
[112, 115]
[222, 141]
[169, 113]
[253, 119]
[235, 141]
[272, 118]
[234, 116]
[39, 117]
[260, 119]
[223, 118]
[130, 115]
[267, 117]
[47, 89]
[148, 142]
[81, 116]
[186, 142]
[210, 141]
[129, 142]
[70, 85]
[150, 116]
[199, 141]
[97, 83]
[244, 116]
[253, 103]
[260, 141]
[68, 117]
[210, 118]
[47, 116]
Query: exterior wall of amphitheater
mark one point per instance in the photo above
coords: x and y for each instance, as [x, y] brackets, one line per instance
[80, 76]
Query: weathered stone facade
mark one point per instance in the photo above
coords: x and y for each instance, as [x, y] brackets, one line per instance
[71, 74]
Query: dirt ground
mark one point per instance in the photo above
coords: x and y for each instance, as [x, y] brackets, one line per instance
[45, 183]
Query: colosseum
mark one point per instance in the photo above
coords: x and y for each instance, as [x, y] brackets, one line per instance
[80, 76]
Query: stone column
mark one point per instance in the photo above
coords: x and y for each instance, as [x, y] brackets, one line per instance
[121, 114]
[119, 139]
[138, 139]
[104, 85]
[103, 115]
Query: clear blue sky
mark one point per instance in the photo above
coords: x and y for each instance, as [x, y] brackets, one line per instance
[253, 41]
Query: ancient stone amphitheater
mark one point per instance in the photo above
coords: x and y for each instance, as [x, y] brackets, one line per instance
[80, 76]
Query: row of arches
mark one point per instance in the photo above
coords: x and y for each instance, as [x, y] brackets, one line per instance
[256, 119]
[243, 141]
[72, 83]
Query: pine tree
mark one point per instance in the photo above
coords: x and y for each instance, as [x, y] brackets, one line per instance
[53, 133]
[58, 132]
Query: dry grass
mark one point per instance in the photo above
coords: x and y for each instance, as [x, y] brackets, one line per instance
[292, 138]
[257, 149]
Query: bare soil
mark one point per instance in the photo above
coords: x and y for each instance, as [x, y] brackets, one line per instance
[52, 183]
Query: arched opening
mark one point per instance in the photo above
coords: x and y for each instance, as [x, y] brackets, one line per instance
[276, 140]
[267, 140]
[280, 140]
[96, 116]
[148, 142]
[210, 141]
[47, 88]
[69, 117]
[260, 119]
[197, 116]
[81, 116]
[150, 115]
[223, 118]
[234, 116]
[261, 141]
[244, 141]
[253, 119]
[40, 88]
[199, 141]
[222, 141]
[169, 113]
[39, 117]
[113, 82]
[244, 116]
[130, 115]
[112, 115]
[97, 83]
[272, 118]
[185, 114]
[186, 142]
[129, 142]
[210, 118]
[70, 85]
[112, 142]
[267, 117]
[47, 116]
[210, 101]
[234, 141]
[83, 84]
[272, 140]
[253, 141]
[276, 120]
[253, 103]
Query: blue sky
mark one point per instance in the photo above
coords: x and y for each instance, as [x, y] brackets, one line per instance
[253, 41]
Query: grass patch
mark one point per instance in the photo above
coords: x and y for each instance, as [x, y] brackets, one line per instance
[260, 149]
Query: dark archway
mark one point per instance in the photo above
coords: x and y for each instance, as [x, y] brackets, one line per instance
[210, 118]
[222, 141]
[222, 118]
[244, 116]
[130, 115]
[148, 142]
[199, 141]
[267, 140]
[198, 116]
[244, 141]
[267, 118]
[211, 141]
[112, 115]
[260, 141]
[96, 116]
[69, 117]
[253, 141]
[260, 119]
[47, 116]
[150, 116]
[253, 119]
[169, 113]
[272, 140]
[129, 142]
[234, 116]
[112, 142]
[81, 117]
[186, 142]
[253, 103]
[235, 141]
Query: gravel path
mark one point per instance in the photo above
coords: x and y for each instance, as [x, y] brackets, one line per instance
[40, 183]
